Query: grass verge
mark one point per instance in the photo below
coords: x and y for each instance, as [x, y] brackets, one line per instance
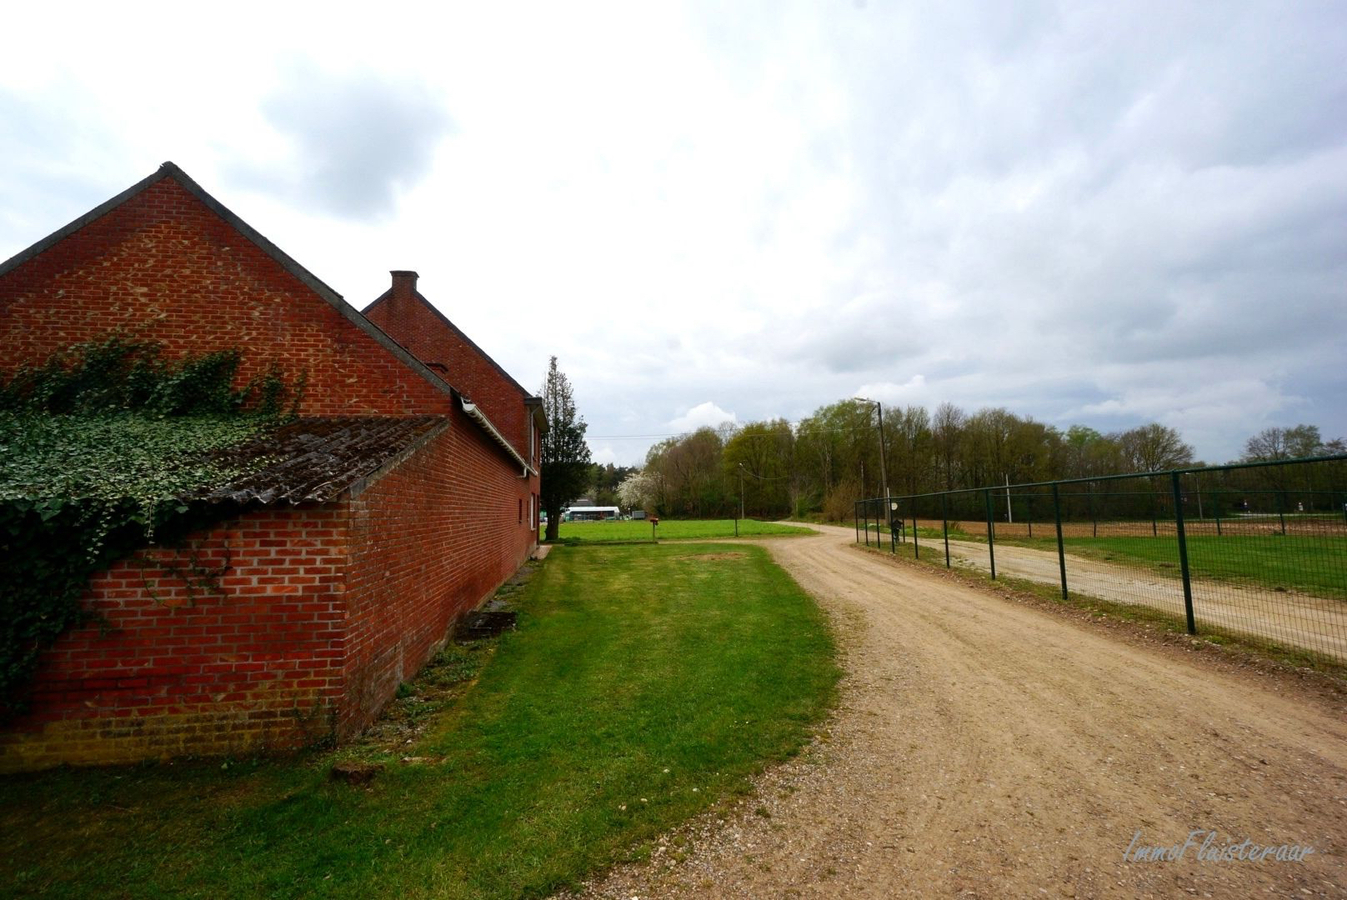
[643, 684]
[671, 530]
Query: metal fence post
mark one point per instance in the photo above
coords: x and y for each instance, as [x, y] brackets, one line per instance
[1183, 553]
[944, 515]
[888, 514]
[1281, 510]
[856, 519]
[991, 537]
[1061, 550]
[1094, 517]
[916, 548]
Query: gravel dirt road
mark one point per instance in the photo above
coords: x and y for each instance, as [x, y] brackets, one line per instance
[987, 747]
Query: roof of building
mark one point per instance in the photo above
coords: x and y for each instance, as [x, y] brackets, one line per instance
[318, 460]
[291, 491]
[386, 295]
[311, 281]
[476, 414]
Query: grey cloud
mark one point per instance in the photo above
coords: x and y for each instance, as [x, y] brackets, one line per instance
[1097, 213]
[357, 140]
[51, 160]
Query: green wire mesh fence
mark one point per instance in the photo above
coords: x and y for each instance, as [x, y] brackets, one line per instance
[1254, 551]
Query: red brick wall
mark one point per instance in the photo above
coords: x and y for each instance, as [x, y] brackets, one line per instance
[324, 610]
[163, 266]
[410, 320]
[199, 672]
[429, 541]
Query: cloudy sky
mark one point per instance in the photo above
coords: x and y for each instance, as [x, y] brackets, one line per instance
[1099, 213]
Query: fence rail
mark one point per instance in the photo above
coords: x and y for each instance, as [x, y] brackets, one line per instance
[1254, 551]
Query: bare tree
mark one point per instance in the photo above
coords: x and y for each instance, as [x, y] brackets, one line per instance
[1154, 448]
[1284, 443]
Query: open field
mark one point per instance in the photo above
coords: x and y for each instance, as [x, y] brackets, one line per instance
[991, 745]
[1299, 561]
[1331, 526]
[1307, 564]
[644, 683]
[673, 530]
[1259, 612]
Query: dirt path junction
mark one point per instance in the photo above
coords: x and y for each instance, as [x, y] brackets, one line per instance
[989, 747]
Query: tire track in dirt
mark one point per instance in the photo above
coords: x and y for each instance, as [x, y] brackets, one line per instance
[985, 748]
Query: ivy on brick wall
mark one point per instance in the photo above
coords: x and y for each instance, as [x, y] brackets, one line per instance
[101, 450]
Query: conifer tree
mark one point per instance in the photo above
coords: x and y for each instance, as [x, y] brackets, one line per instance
[565, 456]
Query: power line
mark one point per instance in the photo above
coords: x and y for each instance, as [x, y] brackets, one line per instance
[797, 429]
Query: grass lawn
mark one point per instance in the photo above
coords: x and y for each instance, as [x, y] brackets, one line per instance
[932, 555]
[671, 530]
[644, 683]
[1312, 564]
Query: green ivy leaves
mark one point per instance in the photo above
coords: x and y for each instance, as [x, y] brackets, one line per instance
[101, 449]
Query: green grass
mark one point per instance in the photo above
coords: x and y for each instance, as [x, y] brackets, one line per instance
[1138, 614]
[671, 530]
[644, 683]
[1313, 565]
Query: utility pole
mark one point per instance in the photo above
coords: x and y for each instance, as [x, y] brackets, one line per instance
[883, 469]
[741, 490]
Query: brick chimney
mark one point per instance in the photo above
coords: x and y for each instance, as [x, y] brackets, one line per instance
[404, 284]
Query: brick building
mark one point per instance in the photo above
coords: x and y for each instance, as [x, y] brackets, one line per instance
[401, 498]
[425, 332]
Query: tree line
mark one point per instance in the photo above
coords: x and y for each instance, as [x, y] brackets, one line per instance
[824, 463]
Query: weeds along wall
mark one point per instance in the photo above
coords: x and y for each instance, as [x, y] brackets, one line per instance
[428, 542]
[164, 266]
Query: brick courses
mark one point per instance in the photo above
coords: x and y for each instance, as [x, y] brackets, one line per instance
[407, 317]
[322, 609]
[163, 265]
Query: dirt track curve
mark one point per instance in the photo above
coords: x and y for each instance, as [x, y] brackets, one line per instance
[989, 748]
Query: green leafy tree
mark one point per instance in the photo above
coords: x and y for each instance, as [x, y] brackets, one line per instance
[759, 459]
[565, 458]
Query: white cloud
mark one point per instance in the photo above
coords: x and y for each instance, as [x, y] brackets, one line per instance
[701, 416]
[911, 392]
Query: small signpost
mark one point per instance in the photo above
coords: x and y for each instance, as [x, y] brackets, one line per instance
[654, 523]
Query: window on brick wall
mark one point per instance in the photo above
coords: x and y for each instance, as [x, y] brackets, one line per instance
[521, 510]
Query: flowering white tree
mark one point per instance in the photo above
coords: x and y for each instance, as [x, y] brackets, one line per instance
[635, 490]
